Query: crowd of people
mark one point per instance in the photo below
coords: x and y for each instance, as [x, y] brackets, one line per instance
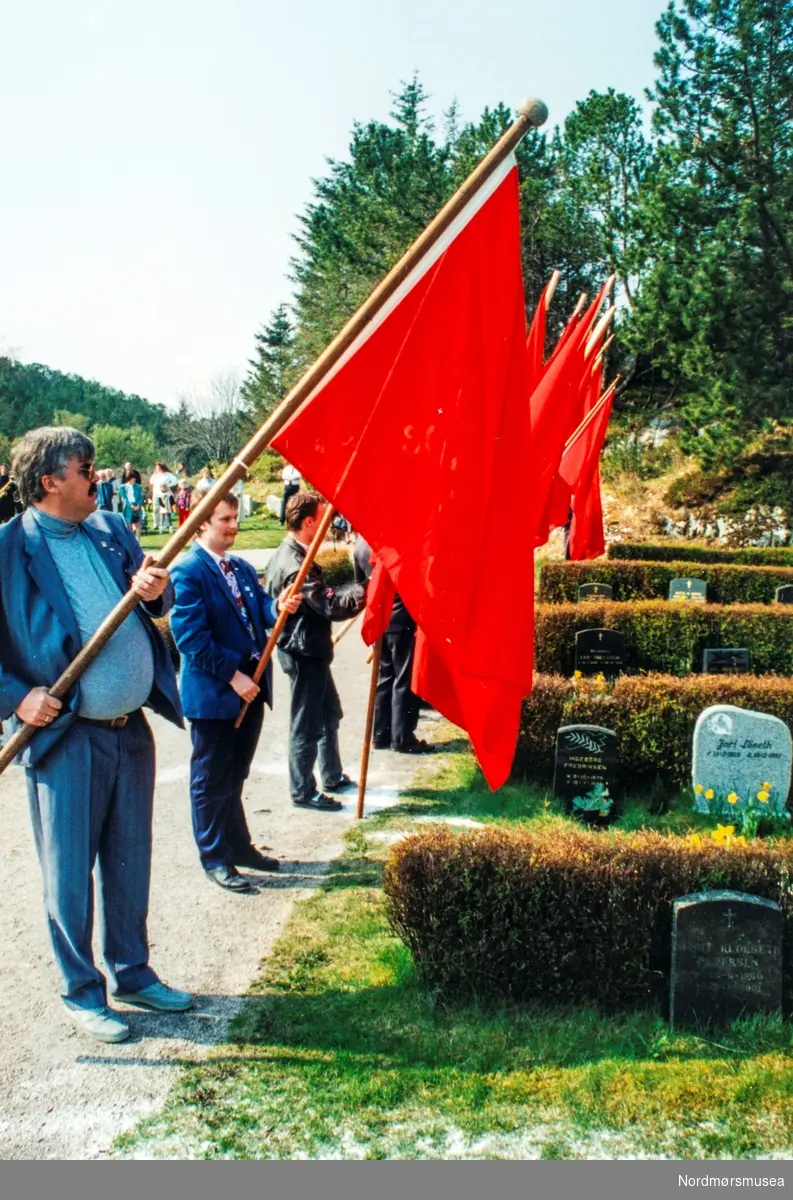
[66, 560]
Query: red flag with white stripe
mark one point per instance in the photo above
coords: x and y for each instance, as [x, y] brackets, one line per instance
[420, 435]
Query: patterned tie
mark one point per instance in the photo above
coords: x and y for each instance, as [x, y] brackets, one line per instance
[231, 580]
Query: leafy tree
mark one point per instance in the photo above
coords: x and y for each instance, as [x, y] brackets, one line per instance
[115, 446]
[717, 306]
[62, 416]
[274, 368]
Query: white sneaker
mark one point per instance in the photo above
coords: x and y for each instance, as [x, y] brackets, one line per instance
[101, 1023]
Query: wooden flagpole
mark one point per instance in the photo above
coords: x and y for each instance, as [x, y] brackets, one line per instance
[593, 412]
[598, 331]
[551, 286]
[367, 736]
[294, 588]
[345, 629]
[532, 113]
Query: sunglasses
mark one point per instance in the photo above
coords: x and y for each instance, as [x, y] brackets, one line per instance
[86, 470]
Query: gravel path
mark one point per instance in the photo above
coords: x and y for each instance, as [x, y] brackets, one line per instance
[63, 1095]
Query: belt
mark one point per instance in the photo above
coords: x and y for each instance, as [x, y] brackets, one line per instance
[110, 723]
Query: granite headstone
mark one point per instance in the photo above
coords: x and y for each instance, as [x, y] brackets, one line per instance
[595, 591]
[726, 661]
[694, 591]
[738, 750]
[784, 594]
[585, 755]
[599, 651]
[726, 957]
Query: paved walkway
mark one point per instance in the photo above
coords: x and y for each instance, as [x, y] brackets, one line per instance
[65, 1096]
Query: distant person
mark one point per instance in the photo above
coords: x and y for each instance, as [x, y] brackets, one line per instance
[162, 480]
[131, 499]
[292, 479]
[129, 470]
[305, 652]
[396, 711]
[206, 481]
[104, 491]
[115, 484]
[183, 496]
[10, 501]
[220, 619]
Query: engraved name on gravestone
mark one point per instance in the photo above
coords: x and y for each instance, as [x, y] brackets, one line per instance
[599, 650]
[595, 591]
[726, 957]
[725, 661]
[784, 595]
[585, 755]
[737, 751]
[695, 591]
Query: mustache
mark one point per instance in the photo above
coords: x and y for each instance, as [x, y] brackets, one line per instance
[92, 490]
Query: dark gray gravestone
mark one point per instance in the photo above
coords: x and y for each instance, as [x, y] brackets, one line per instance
[726, 662]
[726, 957]
[784, 595]
[595, 591]
[599, 650]
[695, 591]
[585, 755]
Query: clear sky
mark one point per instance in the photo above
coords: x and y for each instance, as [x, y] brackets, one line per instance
[156, 153]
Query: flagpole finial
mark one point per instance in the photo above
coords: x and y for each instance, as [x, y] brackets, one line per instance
[536, 110]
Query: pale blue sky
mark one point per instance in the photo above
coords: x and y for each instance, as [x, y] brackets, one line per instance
[156, 153]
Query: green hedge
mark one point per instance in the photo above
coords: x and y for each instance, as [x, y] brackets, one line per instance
[673, 551]
[561, 915]
[668, 637]
[653, 717]
[727, 583]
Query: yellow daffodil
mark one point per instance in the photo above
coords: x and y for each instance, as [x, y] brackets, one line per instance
[762, 797]
[577, 675]
[732, 798]
[698, 789]
[766, 787]
[709, 794]
[694, 839]
[723, 834]
[740, 841]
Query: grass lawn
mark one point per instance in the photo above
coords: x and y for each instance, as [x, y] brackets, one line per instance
[339, 1052]
[257, 533]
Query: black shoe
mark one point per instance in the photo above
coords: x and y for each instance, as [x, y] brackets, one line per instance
[256, 861]
[381, 744]
[229, 878]
[415, 747]
[345, 784]
[320, 802]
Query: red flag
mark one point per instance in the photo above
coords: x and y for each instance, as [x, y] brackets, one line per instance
[414, 436]
[379, 602]
[535, 345]
[586, 532]
[572, 460]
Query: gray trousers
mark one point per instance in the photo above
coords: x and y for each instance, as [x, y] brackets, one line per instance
[91, 804]
[314, 719]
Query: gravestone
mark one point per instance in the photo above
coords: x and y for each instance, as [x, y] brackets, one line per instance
[599, 650]
[595, 591]
[737, 750]
[725, 661]
[695, 591]
[726, 957]
[784, 595]
[585, 755]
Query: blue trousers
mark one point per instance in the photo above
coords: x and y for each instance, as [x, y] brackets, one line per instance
[220, 764]
[91, 805]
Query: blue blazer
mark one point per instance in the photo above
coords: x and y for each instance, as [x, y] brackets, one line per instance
[39, 636]
[211, 635]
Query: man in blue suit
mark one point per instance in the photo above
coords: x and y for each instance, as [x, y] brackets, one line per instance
[219, 621]
[90, 767]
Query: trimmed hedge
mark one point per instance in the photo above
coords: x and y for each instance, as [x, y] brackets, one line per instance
[673, 551]
[727, 583]
[561, 915]
[653, 717]
[667, 636]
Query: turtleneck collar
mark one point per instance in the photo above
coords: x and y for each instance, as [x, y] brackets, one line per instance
[55, 527]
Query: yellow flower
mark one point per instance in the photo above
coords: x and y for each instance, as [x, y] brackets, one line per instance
[698, 789]
[732, 798]
[709, 794]
[723, 834]
[694, 839]
[577, 675]
[766, 787]
[762, 797]
[740, 841]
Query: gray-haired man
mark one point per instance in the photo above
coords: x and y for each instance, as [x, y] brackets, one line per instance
[90, 767]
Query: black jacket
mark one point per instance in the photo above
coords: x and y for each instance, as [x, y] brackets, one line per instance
[308, 631]
[401, 620]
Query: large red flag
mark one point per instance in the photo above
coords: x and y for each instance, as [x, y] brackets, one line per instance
[572, 460]
[416, 436]
[586, 531]
[535, 345]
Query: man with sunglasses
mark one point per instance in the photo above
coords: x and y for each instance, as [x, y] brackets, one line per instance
[90, 766]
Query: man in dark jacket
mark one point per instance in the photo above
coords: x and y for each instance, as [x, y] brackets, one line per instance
[305, 651]
[396, 712]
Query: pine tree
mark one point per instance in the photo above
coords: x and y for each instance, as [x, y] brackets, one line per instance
[273, 370]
